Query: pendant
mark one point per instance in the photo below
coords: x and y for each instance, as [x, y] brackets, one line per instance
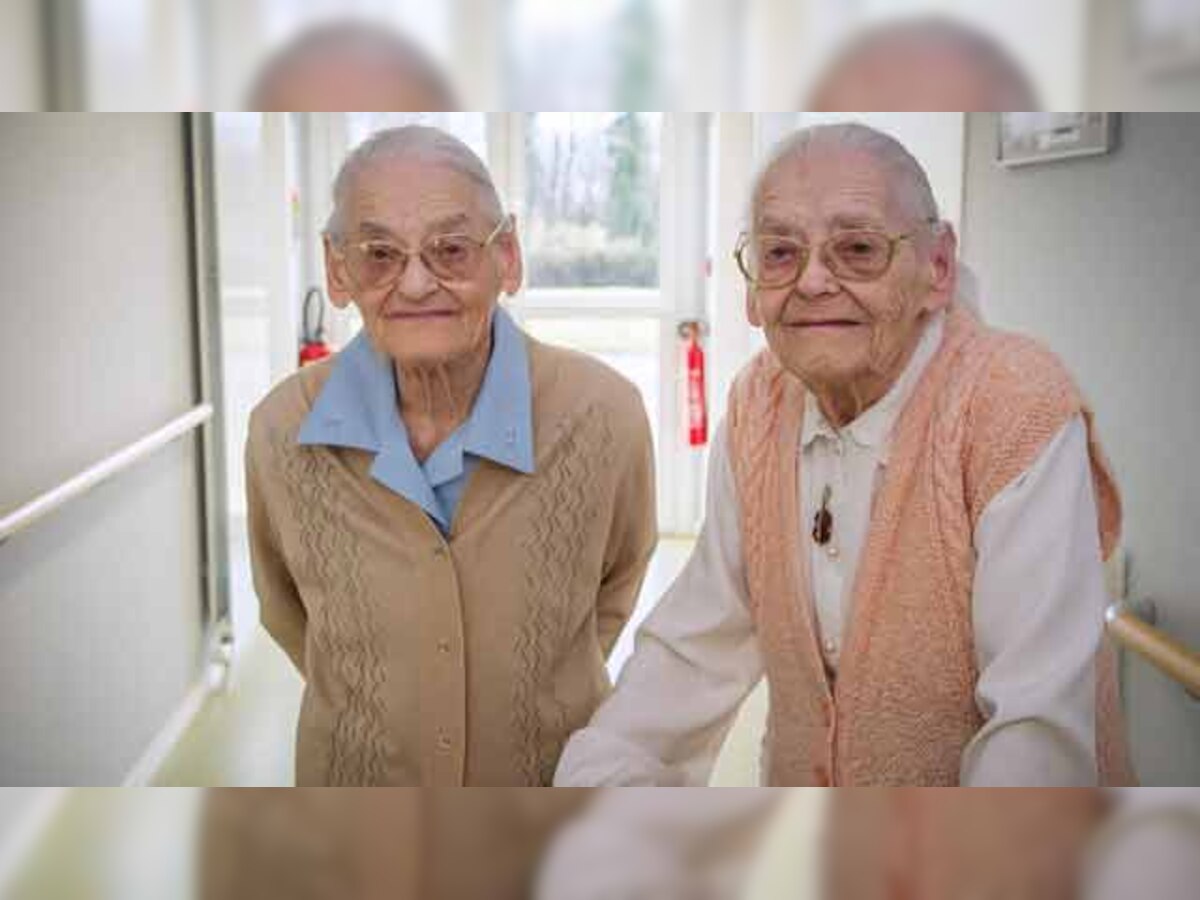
[822, 531]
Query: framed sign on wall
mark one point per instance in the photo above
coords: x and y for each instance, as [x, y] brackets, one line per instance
[1026, 138]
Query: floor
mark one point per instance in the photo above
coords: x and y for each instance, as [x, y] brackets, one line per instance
[111, 844]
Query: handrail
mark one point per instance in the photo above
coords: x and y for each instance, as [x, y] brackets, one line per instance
[1154, 645]
[24, 516]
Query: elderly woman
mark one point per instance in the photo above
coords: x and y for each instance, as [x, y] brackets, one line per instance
[449, 521]
[907, 517]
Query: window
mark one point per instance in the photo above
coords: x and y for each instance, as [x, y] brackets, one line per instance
[614, 254]
[602, 53]
[591, 199]
[627, 343]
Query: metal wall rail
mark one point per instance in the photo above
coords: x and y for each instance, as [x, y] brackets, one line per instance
[41, 506]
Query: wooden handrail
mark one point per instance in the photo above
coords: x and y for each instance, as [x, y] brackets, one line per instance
[1154, 645]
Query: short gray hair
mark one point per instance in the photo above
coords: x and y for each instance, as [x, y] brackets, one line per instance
[422, 143]
[910, 184]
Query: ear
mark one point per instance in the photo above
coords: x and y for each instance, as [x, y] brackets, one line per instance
[943, 268]
[337, 277]
[512, 264]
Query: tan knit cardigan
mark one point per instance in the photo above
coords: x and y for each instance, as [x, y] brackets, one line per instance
[465, 660]
[903, 708]
[377, 844]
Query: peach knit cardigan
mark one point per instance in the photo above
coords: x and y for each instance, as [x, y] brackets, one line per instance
[902, 708]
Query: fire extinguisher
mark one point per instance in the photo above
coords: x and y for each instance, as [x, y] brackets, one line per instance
[697, 403]
[312, 346]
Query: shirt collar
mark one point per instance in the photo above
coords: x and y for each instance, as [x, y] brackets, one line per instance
[500, 426]
[873, 428]
[357, 408]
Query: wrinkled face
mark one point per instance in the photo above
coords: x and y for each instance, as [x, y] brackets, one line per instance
[832, 332]
[396, 208]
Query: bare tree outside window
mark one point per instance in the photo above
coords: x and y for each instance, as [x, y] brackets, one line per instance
[591, 199]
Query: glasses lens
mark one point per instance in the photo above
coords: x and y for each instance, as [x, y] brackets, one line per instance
[375, 263]
[452, 257]
[774, 261]
[859, 254]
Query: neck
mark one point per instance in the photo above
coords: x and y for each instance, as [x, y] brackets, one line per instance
[436, 398]
[842, 404]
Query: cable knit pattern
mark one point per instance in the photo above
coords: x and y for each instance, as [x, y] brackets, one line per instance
[564, 514]
[460, 660]
[343, 627]
[902, 709]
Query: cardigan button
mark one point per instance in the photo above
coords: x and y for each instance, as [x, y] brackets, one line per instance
[439, 551]
[444, 742]
[443, 646]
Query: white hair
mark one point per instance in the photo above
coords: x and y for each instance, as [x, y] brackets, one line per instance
[421, 143]
[910, 185]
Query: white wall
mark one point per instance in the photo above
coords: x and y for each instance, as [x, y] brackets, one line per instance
[101, 602]
[1116, 79]
[21, 61]
[1097, 257]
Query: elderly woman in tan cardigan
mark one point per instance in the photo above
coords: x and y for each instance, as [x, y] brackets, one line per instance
[449, 521]
[907, 517]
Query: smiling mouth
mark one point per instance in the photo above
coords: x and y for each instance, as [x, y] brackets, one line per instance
[417, 315]
[828, 324]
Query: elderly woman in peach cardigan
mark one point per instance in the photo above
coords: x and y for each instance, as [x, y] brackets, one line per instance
[907, 518]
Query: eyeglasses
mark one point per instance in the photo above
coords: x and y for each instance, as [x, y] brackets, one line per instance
[857, 254]
[455, 258]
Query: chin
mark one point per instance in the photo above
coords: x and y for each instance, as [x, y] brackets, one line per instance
[425, 356]
[817, 367]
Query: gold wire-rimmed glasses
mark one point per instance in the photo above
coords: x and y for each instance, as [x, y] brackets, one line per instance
[377, 262]
[772, 261]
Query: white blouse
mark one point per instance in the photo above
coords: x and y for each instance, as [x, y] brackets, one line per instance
[1038, 612]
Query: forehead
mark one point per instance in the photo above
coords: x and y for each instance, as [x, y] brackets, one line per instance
[824, 188]
[412, 195]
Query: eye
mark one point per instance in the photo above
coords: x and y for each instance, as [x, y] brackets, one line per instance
[451, 249]
[380, 253]
[858, 246]
[778, 253]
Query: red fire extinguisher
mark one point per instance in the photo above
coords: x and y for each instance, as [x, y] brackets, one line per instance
[312, 345]
[697, 404]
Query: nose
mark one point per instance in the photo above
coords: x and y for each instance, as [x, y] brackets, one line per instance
[416, 282]
[817, 281]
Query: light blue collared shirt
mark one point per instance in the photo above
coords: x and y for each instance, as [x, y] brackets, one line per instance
[357, 408]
